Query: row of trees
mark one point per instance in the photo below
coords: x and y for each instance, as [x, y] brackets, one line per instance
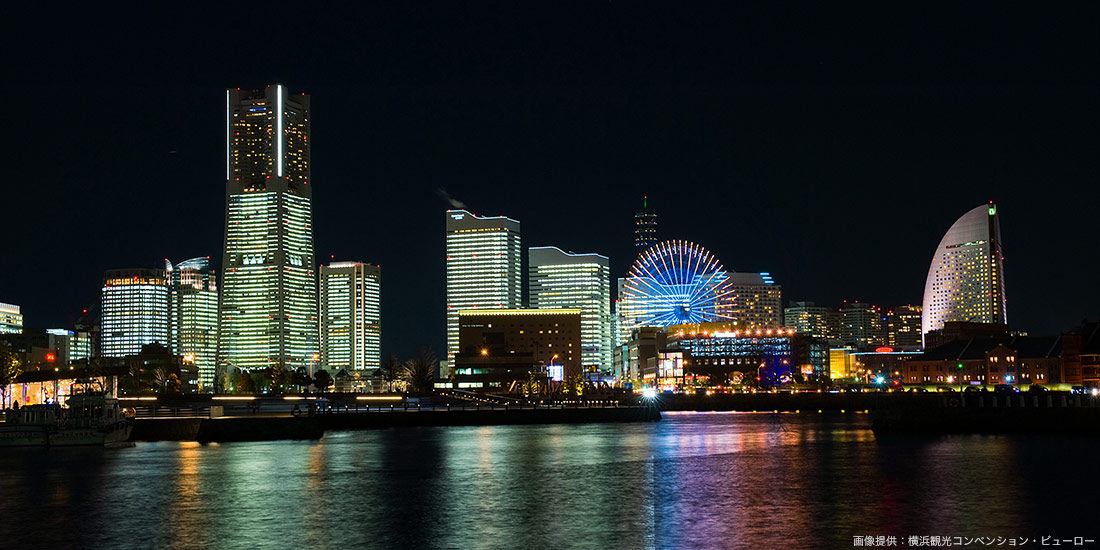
[417, 375]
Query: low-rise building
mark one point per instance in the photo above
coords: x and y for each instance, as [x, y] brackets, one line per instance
[1021, 360]
[499, 347]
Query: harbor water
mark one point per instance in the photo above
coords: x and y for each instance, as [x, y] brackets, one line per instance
[692, 480]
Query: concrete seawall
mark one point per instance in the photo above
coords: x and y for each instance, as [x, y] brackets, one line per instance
[270, 428]
[485, 417]
[205, 430]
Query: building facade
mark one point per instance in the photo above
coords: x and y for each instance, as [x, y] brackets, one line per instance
[966, 278]
[193, 316]
[861, 325]
[268, 310]
[500, 347]
[903, 327]
[563, 280]
[484, 267]
[11, 320]
[754, 301]
[133, 311]
[757, 357]
[813, 320]
[351, 316]
[1019, 360]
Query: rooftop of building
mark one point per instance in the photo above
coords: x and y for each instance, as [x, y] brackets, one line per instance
[1031, 347]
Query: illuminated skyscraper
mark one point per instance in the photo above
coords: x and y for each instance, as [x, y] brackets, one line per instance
[754, 301]
[812, 320]
[133, 311]
[483, 267]
[903, 327]
[268, 311]
[861, 324]
[193, 316]
[11, 320]
[645, 227]
[966, 279]
[563, 280]
[351, 321]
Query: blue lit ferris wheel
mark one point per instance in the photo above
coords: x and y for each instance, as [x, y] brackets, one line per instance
[675, 282]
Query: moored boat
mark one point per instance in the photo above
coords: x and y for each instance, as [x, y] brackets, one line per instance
[91, 418]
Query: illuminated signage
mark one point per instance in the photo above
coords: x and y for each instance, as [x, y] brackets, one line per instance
[556, 372]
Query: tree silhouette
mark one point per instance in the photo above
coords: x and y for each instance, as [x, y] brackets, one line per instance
[322, 380]
[419, 372]
[244, 383]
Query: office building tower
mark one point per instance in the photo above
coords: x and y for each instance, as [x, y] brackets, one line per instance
[753, 301]
[11, 320]
[268, 311]
[966, 278]
[903, 327]
[564, 280]
[81, 345]
[483, 267]
[812, 320]
[351, 320]
[861, 325]
[645, 227]
[193, 316]
[133, 311]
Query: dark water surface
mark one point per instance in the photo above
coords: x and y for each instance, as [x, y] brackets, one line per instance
[693, 480]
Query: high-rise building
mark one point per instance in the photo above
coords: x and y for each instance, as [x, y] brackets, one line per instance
[484, 267]
[268, 311]
[861, 324]
[753, 301]
[903, 327]
[966, 278]
[133, 311]
[812, 320]
[645, 227]
[351, 319]
[193, 316]
[11, 320]
[563, 280]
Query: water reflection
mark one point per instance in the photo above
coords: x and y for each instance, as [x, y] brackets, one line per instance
[689, 481]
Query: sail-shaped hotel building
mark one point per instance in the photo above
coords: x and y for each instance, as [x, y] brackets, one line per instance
[966, 279]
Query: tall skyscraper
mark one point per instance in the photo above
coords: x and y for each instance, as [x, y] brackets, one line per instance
[645, 227]
[11, 320]
[351, 316]
[966, 279]
[563, 280]
[483, 267]
[268, 311]
[193, 316]
[133, 311]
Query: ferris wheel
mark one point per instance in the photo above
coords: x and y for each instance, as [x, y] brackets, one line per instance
[675, 282]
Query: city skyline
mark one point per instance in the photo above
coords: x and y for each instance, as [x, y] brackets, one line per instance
[836, 179]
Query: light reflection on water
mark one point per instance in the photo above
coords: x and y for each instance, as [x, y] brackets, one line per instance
[689, 481]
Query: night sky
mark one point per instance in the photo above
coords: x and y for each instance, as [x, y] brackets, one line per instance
[830, 148]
